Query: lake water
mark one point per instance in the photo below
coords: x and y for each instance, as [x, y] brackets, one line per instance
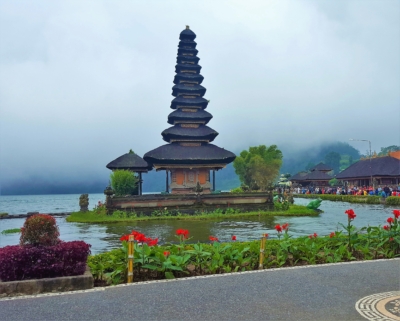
[103, 237]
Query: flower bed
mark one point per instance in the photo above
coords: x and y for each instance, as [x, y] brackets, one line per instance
[31, 262]
[152, 261]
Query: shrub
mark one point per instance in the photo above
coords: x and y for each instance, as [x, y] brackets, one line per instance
[40, 230]
[237, 190]
[124, 182]
[36, 262]
[393, 200]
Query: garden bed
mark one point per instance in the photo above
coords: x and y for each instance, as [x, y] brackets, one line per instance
[155, 262]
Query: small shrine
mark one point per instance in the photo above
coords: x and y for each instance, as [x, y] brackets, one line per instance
[189, 157]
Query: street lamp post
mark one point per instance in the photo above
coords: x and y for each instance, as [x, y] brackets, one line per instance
[370, 155]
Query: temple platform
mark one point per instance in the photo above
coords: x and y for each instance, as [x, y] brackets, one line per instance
[190, 203]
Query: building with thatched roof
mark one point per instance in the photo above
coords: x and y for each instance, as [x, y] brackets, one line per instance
[189, 157]
[383, 170]
[131, 162]
[317, 176]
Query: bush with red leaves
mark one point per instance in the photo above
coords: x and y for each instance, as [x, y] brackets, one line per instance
[40, 229]
[37, 262]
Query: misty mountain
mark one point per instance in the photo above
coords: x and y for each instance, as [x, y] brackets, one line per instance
[226, 179]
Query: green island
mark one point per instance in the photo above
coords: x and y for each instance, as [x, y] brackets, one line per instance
[100, 215]
[391, 200]
[11, 231]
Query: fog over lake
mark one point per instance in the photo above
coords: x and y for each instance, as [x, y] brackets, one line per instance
[82, 82]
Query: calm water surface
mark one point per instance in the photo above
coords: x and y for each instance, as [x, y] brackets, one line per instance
[103, 237]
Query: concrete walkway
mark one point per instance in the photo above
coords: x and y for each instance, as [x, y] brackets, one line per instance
[321, 292]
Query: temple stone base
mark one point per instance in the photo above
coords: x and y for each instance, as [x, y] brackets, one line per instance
[191, 203]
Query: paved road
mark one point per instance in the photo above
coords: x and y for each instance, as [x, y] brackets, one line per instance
[312, 293]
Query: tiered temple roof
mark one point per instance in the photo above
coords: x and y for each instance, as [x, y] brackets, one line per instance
[189, 137]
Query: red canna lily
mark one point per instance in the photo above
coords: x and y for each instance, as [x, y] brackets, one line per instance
[266, 235]
[390, 220]
[233, 237]
[124, 238]
[285, 226]
[184, 233]
[332, 234]
[396, 213]
[151, 242]
[350, 213]
[167, 253]
[386, 227]
[315, 235]
[278, 228]
[213, 238]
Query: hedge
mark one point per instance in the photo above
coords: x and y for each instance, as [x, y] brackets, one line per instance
[30, 262]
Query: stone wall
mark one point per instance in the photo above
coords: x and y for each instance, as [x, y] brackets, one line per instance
[190, 203]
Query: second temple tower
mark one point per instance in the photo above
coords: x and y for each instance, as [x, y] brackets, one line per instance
[189, 158]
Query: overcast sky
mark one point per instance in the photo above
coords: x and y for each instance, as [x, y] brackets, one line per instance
[82, 82]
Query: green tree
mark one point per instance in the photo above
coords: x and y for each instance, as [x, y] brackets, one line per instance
[124, 182]
[332, 159]
[309, 166]
[385, 150]
[259, 166]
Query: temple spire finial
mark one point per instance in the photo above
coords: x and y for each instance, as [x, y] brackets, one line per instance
[187, 27]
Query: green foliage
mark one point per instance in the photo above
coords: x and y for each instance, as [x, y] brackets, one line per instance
[344, 198]
[39, 230]
[11, 231]
[385, 150]
[332, 159]
[333, 182]
[237, 190]
[259, 166]
[179, 260]
[123, 182]
[393, 200]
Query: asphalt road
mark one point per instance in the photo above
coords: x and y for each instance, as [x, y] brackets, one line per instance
[308, 293]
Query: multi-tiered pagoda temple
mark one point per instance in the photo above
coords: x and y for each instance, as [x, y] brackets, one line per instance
[188, 158]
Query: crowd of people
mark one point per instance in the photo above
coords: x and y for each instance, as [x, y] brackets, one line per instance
[351, 190]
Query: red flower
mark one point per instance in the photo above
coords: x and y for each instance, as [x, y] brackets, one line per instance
[233, 237]
[390, 220]
[391, 239]
[386, 227]
[266, 235]
[124, 238]
[166, 253]
[151, 242]
[315, 235]
[350, 214]
[396, 213]
[184, 233]
[332, 234]
[278, 228]
[139, 237]
[213, 239]
[285, 226]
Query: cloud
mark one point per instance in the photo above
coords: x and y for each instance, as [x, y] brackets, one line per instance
[82, 82]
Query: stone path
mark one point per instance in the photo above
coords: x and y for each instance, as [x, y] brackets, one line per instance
[347, 291]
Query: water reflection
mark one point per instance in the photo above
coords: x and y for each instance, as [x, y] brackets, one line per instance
[103, 237]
